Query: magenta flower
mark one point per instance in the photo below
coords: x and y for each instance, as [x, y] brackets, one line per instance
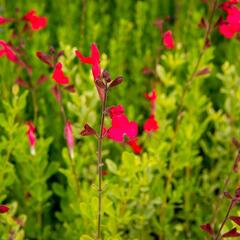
[69, 137]
[121, 126]
[168, 40]
[31, 136]
[231, 25]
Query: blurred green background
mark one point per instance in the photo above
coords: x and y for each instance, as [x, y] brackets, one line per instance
[176, 183]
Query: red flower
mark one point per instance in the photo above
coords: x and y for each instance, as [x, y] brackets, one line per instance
[3, 208]
[69, 137]
[231, 24]
[8, 51]
[94, 60]
[226, 5]
[31, 136]
[152, 96]
[151, 125]
[4, 20]
[37, 22]
[58, 75]
[121, 126]
[133, 143]
[168, 40]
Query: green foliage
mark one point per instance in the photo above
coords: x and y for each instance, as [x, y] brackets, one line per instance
[168, 190]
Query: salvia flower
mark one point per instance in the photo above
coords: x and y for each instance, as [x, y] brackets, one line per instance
[68, 133]
[133, 143]
[59, 76]
[94, 60]
[31, 136]
[231, 25]
[151, 124]
[228, 4]
[36, 22]
[121, 126]
[168, 40]
[8, 52]
[4, 20]
[4, 208]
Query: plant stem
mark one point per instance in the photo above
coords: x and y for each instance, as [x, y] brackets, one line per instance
[181, 105]
[217, 206]
[100, 164]
[35, 106]
[192, 76]
[225, 219]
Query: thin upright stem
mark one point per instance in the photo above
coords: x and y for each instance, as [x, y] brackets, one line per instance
[100, 164]
[224, 220]
[181, 104]
[201, 53]
[35, 106]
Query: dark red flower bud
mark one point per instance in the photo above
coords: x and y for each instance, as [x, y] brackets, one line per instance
[60, 53]
[202, 23]
[237, 194]
[44, 58]
[207, 228]
[104, 172]
[106, 76]
[3, 208]
[204, 71]
[236, 143]
[218, 22]
[231, 233]
[227, 195]
[99, 83]
[43, 78]
[22, 83]
[52, 50]
[207, 43]
[116, 82]
[70, 88]
[87, 131]
[147, 71]
[235, 219]
[56, 93]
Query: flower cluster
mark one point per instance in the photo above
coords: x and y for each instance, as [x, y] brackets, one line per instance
[231, 25]
[121, 126]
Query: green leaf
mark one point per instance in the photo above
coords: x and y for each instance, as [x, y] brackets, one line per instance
[111, 166]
